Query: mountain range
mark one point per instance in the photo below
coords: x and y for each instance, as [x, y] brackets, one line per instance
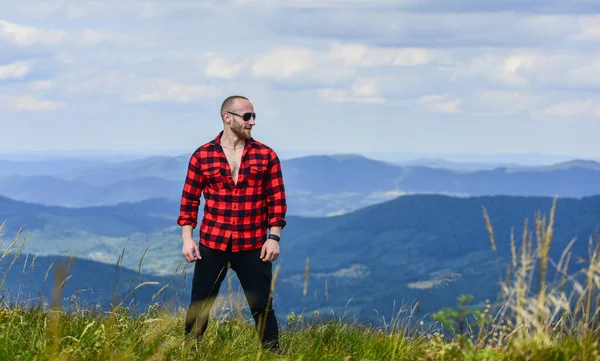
[368, 262]
[316, 185]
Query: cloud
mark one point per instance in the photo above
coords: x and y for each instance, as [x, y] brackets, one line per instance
[570, 109]
[14, 70]
[358, 55]
[222, 69]
[29, 36]
[26, 35]
[434, 29]
[159, 90]
[338, 63]
[343, 96]
[29, 103]
[42, 84]
[503, 67]
[589, 29]
[474, 6]
[492, 102]
[441, 104]
[285, 62]
[364, 90]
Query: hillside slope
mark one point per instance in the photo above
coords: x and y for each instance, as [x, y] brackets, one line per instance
[396, 251]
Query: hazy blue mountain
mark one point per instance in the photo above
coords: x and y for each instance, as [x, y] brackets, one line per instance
[114, 221]
[426, 247]
[445, 164]
[50, 190]
[169, 168]
[575, 163]
[46, 167]
[316, 185]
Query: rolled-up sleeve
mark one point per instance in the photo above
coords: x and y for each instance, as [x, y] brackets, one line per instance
[275, 192]
[190, 197]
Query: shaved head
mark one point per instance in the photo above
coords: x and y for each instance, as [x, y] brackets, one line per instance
[229, 103]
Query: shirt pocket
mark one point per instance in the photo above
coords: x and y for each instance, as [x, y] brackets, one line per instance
[214, 178]
[256, 175]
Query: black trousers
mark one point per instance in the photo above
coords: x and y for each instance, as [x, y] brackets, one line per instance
[255, 278]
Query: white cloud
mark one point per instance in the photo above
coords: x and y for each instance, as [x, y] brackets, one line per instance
[363, 90]
[338, 63]
[285, 62]
[492, 102]
[415, 6]
[29, 103]
[441, 104]
[589, 29]
[496, 68]
[158, 90]
[343, 96]
[14, 70]
[363, 56]
[222, 69]
[27, 35]
[22, 35]
[42, 84]
[499, 65]
[570, 109]
[93, 37]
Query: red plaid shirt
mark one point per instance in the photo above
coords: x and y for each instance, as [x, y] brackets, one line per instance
[244, 211]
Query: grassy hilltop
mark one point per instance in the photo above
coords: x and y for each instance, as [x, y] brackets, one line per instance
[533, 318]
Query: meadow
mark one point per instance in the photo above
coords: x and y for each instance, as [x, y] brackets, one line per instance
[535, 317]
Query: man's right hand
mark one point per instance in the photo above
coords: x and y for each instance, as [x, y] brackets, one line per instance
[190, 250]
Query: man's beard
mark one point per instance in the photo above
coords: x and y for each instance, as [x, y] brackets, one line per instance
[239, 130]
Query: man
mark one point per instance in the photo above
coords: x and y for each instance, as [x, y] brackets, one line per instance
[244, 194]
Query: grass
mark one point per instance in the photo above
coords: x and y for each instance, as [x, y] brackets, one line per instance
[532, 319]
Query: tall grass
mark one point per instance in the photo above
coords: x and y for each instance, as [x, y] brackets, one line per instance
[534, 318]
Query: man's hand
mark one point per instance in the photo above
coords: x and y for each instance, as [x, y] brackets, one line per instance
[190, 250]
[270, 251]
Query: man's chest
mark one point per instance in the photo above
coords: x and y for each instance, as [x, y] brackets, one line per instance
[234, 159]
[231, 167]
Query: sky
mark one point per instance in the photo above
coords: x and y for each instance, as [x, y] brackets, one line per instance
[406, 76]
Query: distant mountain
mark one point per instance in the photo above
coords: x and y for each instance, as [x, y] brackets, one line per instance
[444, 164]
[575, 163]
[426, 247]
[168, 168]
[316, 185]
[46, 167]
[112, 221]
[50, 190]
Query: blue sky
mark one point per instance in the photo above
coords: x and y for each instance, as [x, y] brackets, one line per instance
[420, 76]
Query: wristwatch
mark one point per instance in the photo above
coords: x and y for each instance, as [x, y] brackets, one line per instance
[275, 237]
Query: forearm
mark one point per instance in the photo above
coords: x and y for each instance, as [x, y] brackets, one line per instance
[186, 231]
[275, 230]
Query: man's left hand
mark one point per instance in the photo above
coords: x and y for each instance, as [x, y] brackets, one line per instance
[270, 251]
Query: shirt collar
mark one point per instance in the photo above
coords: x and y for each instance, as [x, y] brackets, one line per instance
[250, 142]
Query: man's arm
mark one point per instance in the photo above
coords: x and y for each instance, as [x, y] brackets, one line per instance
[275, 195]
[188, 213]
[276, 230]
[190, 197]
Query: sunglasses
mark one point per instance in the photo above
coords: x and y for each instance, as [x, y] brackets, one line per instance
[245, 116]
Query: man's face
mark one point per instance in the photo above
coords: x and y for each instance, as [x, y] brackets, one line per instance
[241, 128]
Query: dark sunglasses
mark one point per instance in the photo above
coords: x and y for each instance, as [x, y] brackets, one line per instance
[246, 116]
